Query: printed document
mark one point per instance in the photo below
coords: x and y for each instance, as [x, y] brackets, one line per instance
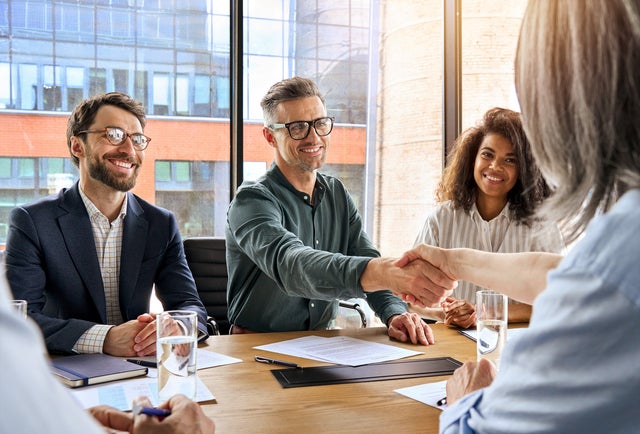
[341, 350]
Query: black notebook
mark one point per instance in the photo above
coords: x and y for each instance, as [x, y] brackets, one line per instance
[87, 369]
[321, 375]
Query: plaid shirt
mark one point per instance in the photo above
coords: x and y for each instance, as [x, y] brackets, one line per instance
[108, 240]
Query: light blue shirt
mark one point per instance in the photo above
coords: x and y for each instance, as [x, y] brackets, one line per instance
[33, 401]
[576, 368]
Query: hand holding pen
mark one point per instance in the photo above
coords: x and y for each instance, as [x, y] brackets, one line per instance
[150, 411]
[176, 416]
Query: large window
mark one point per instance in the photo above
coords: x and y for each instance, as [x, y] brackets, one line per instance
[378, 61]
[489, 38]
[172, 55]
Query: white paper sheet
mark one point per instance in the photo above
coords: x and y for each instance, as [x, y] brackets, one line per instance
[120, 394]
[205, 359]
[511, 333]
[209, 359]
[429, 393]
[342, 350]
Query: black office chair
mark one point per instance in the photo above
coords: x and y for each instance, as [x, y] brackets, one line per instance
[207, 260]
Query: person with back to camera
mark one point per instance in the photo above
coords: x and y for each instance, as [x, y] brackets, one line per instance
[487, 197]
[573, 369]
[295, 239]
[87, 258]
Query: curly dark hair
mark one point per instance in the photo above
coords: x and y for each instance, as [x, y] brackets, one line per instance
[458, 184]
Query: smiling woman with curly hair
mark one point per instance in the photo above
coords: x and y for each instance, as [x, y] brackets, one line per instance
[487, 199]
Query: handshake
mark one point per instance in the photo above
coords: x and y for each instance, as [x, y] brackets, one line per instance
[422, 276]
[426, 276]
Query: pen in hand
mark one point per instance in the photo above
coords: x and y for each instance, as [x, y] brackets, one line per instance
[276, 362]
[151, 411]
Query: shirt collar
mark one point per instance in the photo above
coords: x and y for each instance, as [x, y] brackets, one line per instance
[93, 210]
[475, 214]
[318, 190]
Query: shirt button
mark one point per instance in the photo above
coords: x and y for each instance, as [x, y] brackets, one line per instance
[306, 197]
[313, 305]
[317, 242]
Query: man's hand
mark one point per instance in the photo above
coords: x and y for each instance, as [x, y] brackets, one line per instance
[186, 417]
[427, 285]
[470, 377]
[433, 264]
[112, 418]
[410, 327]
[132, 338]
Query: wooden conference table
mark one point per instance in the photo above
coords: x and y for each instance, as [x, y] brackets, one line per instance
[250, 400]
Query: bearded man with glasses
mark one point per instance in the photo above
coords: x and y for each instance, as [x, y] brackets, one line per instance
[295, 239]
[87, 259]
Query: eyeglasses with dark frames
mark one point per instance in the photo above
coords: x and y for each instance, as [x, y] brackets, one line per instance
[299, 130]
[117, 136]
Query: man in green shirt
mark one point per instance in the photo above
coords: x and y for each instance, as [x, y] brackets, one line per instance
[295, 241]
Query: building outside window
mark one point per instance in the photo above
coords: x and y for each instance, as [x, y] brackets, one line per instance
[379, 63]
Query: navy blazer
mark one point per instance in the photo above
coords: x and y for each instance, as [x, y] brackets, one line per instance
[52, 263]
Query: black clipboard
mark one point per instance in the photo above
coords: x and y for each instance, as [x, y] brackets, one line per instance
[323, 375]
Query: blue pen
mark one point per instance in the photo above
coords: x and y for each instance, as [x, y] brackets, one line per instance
[151, 411]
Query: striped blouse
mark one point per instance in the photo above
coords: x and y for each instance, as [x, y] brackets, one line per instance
[450, 227]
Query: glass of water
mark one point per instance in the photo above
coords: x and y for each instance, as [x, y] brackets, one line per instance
[20, 306]
[176, 345]
[491, 322]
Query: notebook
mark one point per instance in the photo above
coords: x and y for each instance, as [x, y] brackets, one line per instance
[86, 369]
[322, 375]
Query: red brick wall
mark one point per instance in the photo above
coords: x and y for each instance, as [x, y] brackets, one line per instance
[44, 135]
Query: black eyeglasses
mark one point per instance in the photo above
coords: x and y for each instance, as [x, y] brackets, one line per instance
[299, 130]
[116, 136]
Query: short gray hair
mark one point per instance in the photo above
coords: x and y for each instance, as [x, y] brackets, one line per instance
[579, 89]
[287, 89]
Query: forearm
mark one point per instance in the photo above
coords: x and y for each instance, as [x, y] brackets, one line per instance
[376, 276]
[519, 313]
[522, 276]
[434, 313]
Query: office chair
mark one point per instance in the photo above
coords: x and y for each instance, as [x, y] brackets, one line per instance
[356, 307]
[206, 257]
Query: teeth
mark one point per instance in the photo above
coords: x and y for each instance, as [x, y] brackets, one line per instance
[310, 150]
[124, 164]
[493, 178]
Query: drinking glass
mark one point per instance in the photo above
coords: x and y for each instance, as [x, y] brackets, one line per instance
[176, 346]
[492, 319]
[20, 306]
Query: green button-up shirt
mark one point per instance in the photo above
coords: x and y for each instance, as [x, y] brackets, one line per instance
[289, 259]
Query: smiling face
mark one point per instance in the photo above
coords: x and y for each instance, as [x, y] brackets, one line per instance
[103, 163]
[298, 156]
[496, 169]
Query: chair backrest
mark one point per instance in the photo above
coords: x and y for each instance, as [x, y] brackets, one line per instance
[207, 260]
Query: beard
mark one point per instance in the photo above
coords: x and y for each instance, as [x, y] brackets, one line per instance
[309, 166]
[99, 171]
